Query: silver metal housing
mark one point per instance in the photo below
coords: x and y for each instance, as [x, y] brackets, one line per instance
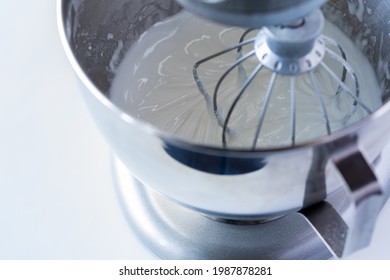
[252, 13]
[288, 179]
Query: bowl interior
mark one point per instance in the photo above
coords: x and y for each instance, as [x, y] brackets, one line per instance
[100, 35]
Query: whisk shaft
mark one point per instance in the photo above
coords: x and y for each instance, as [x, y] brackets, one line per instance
[264, 108]
[317, 93]
[225, 74]
[240, 93]
[293, 109]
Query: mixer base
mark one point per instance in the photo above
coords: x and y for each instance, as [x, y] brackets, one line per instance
[175, 232]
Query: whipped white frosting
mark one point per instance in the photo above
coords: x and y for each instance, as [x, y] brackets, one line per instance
[155, 83]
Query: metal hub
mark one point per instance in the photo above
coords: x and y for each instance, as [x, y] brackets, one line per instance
[293, 49]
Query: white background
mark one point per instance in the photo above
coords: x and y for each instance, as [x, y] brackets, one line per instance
[57, 198]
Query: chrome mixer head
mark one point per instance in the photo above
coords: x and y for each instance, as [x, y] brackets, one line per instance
[252, 13]
[292, 50]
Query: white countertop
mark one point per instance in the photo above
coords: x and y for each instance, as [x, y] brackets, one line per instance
[57, 197]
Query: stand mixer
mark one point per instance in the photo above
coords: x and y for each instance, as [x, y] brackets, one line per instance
[312, 199]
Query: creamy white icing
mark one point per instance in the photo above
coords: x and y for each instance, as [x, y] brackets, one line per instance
[155, 83]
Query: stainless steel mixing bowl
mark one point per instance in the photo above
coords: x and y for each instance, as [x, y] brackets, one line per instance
[234, 184]
[255, 183]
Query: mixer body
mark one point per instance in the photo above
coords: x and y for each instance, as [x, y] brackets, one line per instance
[236, 184]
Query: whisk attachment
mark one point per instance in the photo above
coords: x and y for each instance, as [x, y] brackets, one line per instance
[295, 50]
